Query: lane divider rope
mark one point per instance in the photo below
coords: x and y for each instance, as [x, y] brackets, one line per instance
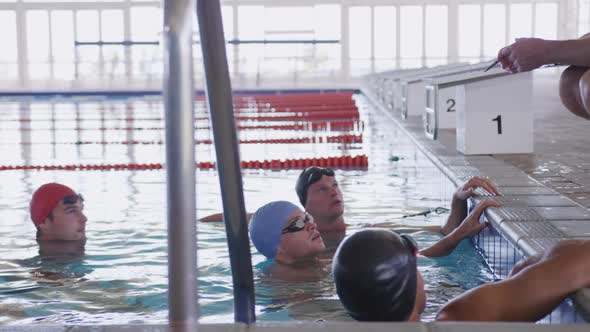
[302, 140]
[343, 162]
[328, 115]
[339, 125]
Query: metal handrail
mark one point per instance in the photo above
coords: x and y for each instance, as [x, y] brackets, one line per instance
[232, 41]
[220, 102]
[180, 164]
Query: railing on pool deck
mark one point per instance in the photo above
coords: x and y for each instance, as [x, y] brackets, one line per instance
[180, 164]
[219, 98]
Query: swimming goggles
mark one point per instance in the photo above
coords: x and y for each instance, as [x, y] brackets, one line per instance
[296, 225]
[410, 243]
[314, 173]
[72, 199]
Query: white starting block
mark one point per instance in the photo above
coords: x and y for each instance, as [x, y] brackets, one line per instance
[377, 84]
[390, 83]
[440, 101]
[494, 114]
[411, 88]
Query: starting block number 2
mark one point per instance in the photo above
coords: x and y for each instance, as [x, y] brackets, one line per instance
[451, 103]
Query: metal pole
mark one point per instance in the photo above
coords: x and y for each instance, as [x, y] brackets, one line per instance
[219, 99]
[180, 164]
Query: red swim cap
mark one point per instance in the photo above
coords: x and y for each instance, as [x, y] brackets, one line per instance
[45, 199]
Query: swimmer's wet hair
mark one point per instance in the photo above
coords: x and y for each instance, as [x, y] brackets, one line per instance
[375, 275]
[309, 176]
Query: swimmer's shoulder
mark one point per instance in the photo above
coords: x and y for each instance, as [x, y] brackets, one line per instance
[218, 217]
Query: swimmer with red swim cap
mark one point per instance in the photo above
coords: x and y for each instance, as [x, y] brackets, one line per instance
[57, 212]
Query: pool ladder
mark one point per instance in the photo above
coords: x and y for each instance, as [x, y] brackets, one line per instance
[180, 160]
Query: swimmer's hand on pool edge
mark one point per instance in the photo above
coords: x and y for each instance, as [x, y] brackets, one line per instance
[467, 189]
[459, 201]
[469, 227]
[218, 217]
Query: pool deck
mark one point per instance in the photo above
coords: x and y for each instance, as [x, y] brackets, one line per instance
[546, 194]
[315, 326]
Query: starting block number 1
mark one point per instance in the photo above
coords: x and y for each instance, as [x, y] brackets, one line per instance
[499, 119]
[488, 125]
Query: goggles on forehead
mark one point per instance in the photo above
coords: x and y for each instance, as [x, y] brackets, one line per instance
[296, 225]
[72, 199]
[313, 174]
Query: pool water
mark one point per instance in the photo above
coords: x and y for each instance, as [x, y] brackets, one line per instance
[120, 275]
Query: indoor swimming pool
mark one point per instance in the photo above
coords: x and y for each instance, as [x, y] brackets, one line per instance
[120, 275]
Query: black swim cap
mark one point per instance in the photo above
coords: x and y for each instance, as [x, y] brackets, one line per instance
[375, 275]
[308, 177]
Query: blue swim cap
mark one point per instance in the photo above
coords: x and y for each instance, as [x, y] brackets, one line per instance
[266, 226]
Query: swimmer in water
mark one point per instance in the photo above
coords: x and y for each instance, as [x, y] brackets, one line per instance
[57, 213]
[319, 193]
[377, 279]
[281, 231]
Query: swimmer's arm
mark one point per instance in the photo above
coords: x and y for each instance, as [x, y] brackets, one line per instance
[219, 217]
[212, 218]
[401, 228]
[457, 214]
[524, 263]
[469, 227]
[444, 246]
[530, 294]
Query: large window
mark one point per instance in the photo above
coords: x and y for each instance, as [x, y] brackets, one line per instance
[360, 43]
[144, 58]
[9, 55]
[285, 39]
[385, 27]
[436, 43]
[521, 21]
[469, 32]
[494, 29]
[87, 30]
[411, 36]
[277, 41]
[583, 17]
[62, 44]
[111, 30]
[546, 20]
[38, 44]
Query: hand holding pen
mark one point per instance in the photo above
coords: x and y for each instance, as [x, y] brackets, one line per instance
[524, 54]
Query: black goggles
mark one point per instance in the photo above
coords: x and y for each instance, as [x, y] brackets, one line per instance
[296, 225]
[410, 243]
[72, 199]
[313, 174]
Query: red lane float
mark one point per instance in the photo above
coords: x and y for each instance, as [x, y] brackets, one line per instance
[345, 162]
[255, 114]
[320, 125]
[328, 139]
